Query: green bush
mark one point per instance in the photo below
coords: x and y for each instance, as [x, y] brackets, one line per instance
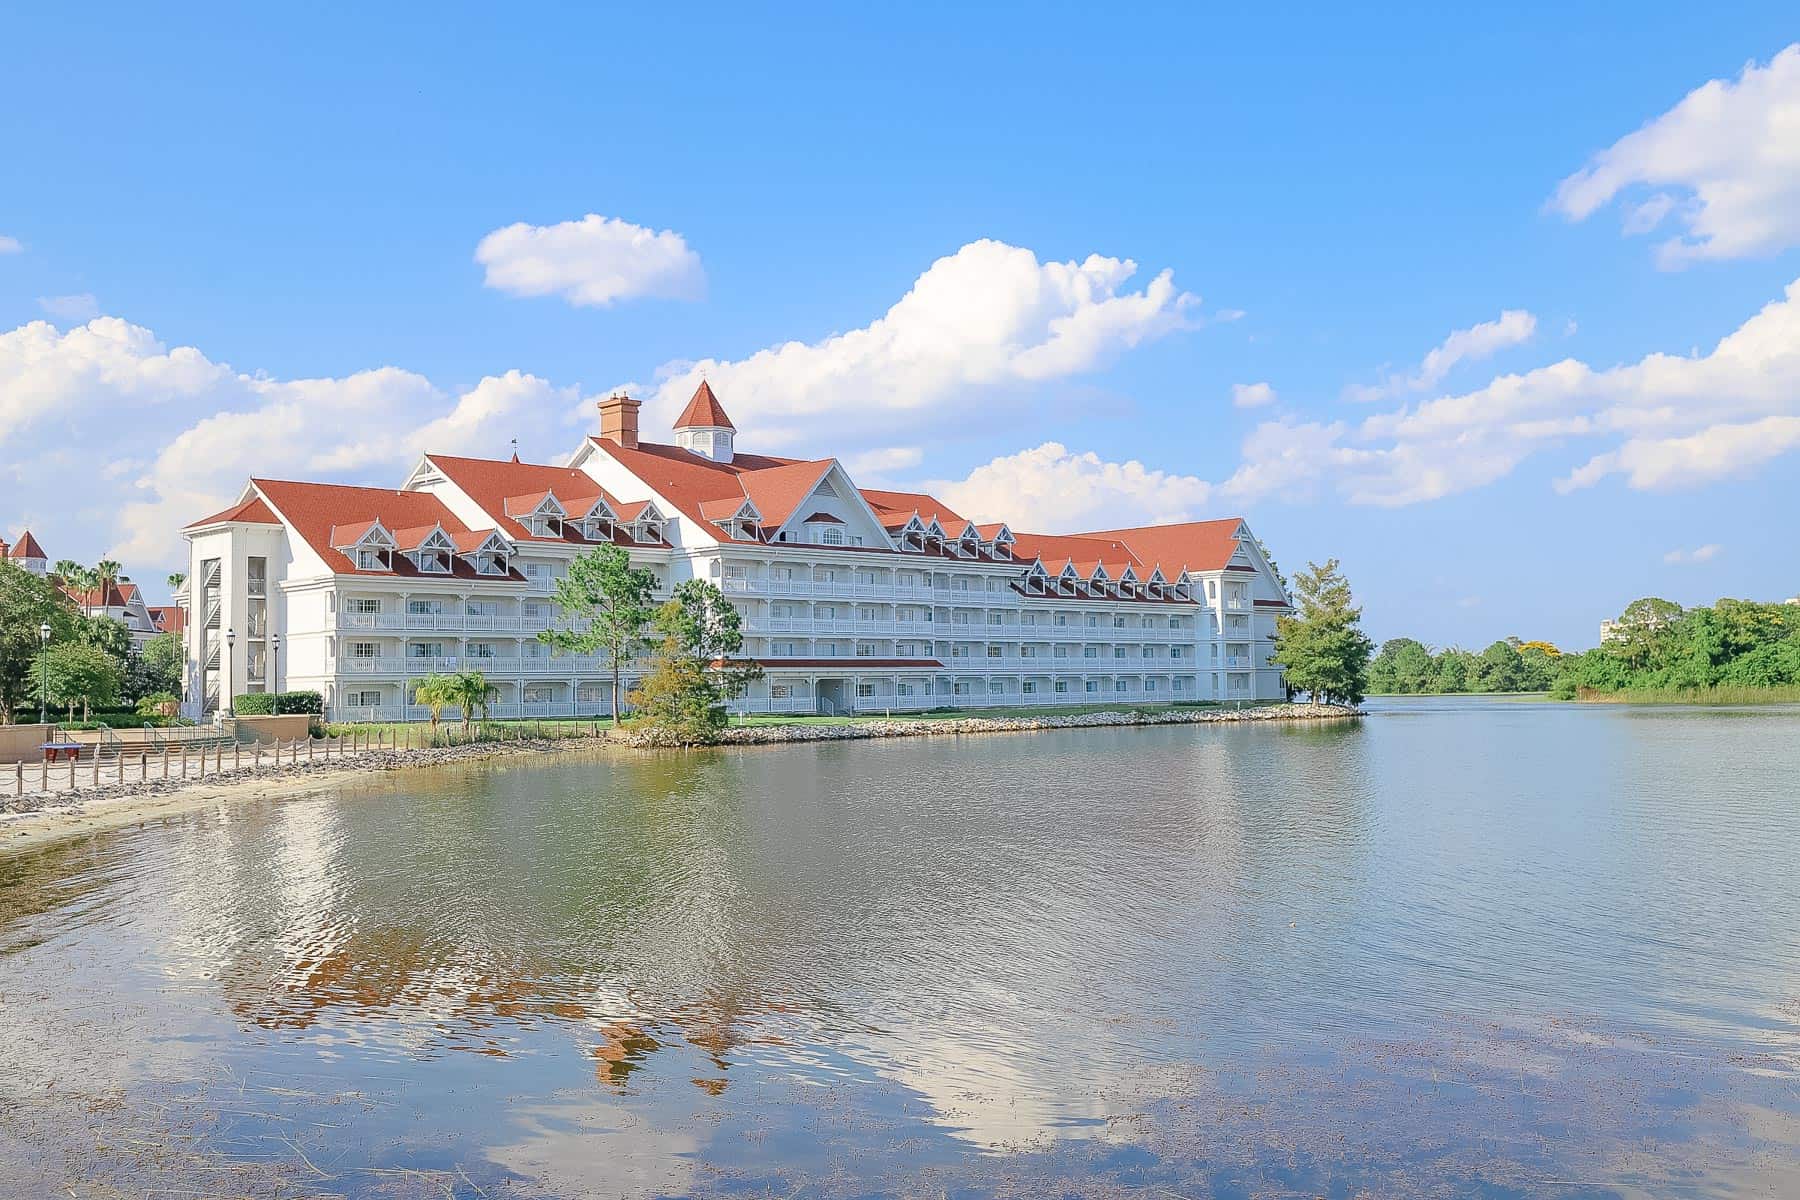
[310, 704]
[254, 704]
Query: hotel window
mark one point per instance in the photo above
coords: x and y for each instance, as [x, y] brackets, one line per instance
[1092, 621]
[866, 649]
[831, 535]
[1090, 652]
[959, 652]
[995, 652]
[1118, 622]
[1062, 652]
[779, 691]
[959, 618]
[867, 614]
[1149, 651]
[1150, 685]
[1027, 651]
[364, 650]
[864, 690]
[904, 689]
[364, 606]
[786, 650]
[365, 699]
[425, 608]
[538, 693]
[1177, 651]
[1029, 687]
[995, 687]
[425, 650]
[1062, 686]
[784, 573]
[369, 560]
[1092, 685]
[1118, 652]
[1174, 622]
[824, 612]
[1062, 618]
[481, 650]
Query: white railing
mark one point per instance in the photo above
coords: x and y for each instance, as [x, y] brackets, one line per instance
[505, 667]
[448, 622]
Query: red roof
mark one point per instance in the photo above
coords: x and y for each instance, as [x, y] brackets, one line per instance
[315, 510]
[694, 483]
[1191, 545]
[503, 489]
[895, 507]
[704, 411]
[168, 618]
[27, 547]
[252, 510]
[111, 596]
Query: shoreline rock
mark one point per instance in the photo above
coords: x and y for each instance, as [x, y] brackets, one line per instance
[768, 735]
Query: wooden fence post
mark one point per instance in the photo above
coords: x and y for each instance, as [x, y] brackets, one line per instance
[18, 779]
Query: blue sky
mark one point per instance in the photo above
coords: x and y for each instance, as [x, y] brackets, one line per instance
[273, 220]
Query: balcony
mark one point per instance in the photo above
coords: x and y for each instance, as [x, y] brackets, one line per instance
[496, 667]
[448, 622]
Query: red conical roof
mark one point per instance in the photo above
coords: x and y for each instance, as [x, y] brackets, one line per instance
[27, 547]
[704, 411]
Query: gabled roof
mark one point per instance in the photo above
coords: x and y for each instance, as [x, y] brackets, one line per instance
[1191, 545]
[509, 490]
[312, 510]
[704, 411]
[27, 547]
[895, 507]
[688, 480]
[252, 511]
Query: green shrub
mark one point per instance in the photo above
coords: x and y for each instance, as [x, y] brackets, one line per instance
[157, 705]
[310, 704]
[254, 704]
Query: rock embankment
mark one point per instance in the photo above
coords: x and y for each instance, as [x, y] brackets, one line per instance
[759, 735]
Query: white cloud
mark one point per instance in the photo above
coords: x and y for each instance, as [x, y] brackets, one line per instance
[1698, 554]
[1663, 422]
[988, 322]
[1252, 395]
[1512, 327]
[1724, 162]
[1063, 490]
[883, 461]
[107, 386]
[594, 261]
[11, 245]
[78, 307]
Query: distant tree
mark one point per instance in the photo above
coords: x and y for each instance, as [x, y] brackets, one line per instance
[1403, 667]
[159, 667]
[177, 580]
[1324, 647]
[1501, 668]
[1640, 629]
[78, 674]
[26, 603]
[106, 573]
[1538, 666]
[613, 599]
[1454, 672]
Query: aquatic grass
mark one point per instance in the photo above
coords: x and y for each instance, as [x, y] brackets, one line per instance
[1720, 694]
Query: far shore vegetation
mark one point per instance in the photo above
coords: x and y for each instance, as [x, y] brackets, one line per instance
[1731, 652]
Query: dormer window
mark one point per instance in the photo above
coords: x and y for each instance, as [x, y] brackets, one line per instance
[831, 535]
[431, 562]
[371, 560]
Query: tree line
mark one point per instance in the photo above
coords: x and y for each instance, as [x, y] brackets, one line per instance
[1655, 647]
[89, 662]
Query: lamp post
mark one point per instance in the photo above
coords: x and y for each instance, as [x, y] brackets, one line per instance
[275, 664]
[44, 666]
[230, 642]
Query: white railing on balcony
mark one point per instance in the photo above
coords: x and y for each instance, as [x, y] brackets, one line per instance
[498, 666]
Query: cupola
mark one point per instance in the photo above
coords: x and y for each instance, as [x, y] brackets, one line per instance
[703, 428]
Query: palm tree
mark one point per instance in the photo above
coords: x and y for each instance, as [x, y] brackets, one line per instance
[78, 581]
[106, 573]
[176, 580]
[434, 692]
[473, 692]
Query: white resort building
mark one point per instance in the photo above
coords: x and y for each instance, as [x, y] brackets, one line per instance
[854, 599]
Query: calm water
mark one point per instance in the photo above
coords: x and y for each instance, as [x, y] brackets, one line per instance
[1458, 948]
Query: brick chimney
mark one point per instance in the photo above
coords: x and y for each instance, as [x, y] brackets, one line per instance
[619, 420]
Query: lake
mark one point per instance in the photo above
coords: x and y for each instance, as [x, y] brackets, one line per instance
[1460, 947]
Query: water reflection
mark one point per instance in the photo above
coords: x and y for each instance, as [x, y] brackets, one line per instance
[1488, 945]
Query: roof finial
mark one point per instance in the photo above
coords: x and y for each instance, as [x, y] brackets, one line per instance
[515, 448]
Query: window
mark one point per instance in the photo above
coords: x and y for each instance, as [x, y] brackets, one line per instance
[481, 650]
[779, 691]
[1062, 686]
[1118, 622]
[365, 699]
[995, 652]
[856, 539]
[364, 605]
[786, 650]
[425, 650]
[1092, 685]
[1149, 685]
[824, 612]
[959, 652]
[959, 618]
[864, 690]
[903, 689]
[866, 649]
[1118, 652]
[1174, 622]
[1092, 621]
[1149, 651]
[867, 614]
[995, 687]
[831, 535]
[1027, 651]
[1062, 652]
[1029, 687]
[369, 560]
[1177, 651]
[1062, 618]
[1090, 652]
[425, 608]
[996, 619]
[364, 650]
